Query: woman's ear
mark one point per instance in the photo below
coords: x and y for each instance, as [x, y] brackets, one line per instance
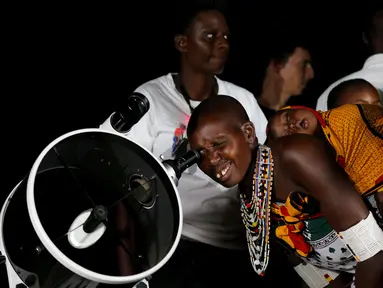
[248, 130]
[180, 42]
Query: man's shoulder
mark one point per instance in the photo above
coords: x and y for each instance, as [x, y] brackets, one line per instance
[353, 75]
[249, 103]
[155, 85]
[235, 90]
[245, 97]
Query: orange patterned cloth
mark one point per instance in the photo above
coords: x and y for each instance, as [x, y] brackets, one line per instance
[356, 134]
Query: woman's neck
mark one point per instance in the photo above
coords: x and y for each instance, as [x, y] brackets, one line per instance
[246, 185]
[198, 86]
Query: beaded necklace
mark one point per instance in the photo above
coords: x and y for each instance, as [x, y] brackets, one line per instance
[256, 213]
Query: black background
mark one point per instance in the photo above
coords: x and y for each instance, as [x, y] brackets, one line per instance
[68, 67]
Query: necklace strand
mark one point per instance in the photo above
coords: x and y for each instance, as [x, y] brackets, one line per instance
[256, 212]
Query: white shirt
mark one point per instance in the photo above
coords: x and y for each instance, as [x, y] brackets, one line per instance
[372, 72]
[211, 211]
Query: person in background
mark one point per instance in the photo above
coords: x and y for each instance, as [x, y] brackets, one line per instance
[372, 70]
[212, 251]
[287, 73]
[354, 91]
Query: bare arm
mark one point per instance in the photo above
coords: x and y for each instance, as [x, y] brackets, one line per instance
[310, 165]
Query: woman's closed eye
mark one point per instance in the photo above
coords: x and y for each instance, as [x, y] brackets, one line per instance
[220, 144]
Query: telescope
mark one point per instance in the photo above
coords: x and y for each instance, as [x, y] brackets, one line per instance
[97, 209]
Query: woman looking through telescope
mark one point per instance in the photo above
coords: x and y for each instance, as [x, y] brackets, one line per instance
[213, 242]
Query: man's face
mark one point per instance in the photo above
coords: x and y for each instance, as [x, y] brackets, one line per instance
[206, 46]
[297, 72]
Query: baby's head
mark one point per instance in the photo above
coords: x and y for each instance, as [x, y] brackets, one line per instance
[221, 131]
[355, 91]
[293, 120]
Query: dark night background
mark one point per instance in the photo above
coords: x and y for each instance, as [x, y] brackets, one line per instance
[68, 67]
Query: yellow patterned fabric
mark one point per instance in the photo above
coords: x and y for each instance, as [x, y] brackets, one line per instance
[356, 134]
[288, 218]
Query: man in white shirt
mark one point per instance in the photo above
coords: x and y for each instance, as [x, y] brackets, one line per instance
[212, 251]
[372, 70]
